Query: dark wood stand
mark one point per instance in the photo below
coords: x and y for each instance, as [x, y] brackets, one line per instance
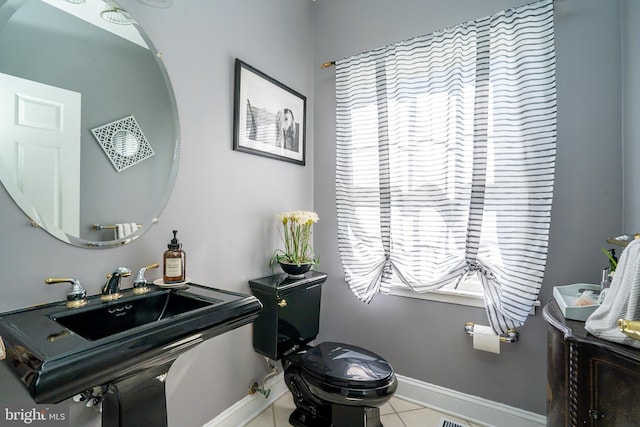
[590, 382]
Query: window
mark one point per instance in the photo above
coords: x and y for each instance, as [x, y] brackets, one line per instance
[445, 161]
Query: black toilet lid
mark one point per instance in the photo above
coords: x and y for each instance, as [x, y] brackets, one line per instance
[346, 365]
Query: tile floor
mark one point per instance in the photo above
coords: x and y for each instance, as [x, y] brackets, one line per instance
[395, 413]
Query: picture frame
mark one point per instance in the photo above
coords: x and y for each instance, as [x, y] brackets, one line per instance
[269, 118]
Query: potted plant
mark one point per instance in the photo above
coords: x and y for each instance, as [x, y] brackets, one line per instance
[297, 257]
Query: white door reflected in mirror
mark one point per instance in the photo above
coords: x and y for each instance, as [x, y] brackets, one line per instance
[40, 149]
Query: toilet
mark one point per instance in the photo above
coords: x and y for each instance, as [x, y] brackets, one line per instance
[333, 384]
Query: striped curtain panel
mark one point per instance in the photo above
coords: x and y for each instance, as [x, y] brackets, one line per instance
[445, 160]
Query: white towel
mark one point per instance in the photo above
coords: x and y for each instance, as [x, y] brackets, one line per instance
[622, 300]
[119, 231]
[125, 229]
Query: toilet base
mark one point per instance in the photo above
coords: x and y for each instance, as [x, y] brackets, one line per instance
[341, 416]
[313, 412]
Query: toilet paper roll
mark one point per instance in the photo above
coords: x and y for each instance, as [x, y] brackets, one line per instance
[485, 339]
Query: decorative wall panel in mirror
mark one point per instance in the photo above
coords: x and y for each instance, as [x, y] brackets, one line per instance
[123, 142]
[65, 71]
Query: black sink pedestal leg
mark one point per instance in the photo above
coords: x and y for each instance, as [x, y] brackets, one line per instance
[138, 400]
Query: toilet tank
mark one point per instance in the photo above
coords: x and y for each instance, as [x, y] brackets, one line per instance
[290, 314]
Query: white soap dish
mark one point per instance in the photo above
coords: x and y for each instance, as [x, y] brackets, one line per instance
[160, 283]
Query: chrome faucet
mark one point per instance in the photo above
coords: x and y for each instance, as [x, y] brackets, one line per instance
[111, 289]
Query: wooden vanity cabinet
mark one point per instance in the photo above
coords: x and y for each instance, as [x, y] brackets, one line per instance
[590, 382]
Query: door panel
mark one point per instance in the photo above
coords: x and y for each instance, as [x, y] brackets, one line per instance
[40, 149]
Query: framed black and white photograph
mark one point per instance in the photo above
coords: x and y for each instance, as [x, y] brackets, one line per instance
[269, 118]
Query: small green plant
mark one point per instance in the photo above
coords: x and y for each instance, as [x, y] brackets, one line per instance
[296, 235]
[612, 261]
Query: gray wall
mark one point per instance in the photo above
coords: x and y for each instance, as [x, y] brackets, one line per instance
[426, 340]
[224, 202]
[630, 13]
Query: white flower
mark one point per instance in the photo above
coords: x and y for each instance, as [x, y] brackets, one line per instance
[296, 234]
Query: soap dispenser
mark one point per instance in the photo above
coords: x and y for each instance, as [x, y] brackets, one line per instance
[174, 270]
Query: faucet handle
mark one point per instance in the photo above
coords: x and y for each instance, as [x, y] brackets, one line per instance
[140, 282]
[76, 295]
[120, 272]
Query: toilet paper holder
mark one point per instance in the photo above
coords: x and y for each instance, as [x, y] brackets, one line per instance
[511, 336]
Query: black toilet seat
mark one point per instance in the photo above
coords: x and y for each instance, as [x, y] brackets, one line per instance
[343, 365]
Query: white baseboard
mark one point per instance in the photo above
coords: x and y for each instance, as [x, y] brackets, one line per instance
[250, 406]
[473, 408]
[476, 409]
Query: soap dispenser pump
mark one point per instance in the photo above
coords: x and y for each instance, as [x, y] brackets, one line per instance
[174, 270]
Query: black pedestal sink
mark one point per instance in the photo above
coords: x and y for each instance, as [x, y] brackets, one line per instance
[124, 348]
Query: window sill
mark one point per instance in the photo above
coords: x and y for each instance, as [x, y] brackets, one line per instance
[459, 297]
[468, 298]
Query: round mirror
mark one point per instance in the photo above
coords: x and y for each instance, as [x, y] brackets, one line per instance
[88, 121]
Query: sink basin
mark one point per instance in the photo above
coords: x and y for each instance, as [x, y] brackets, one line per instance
[103, 321]
[57, 352]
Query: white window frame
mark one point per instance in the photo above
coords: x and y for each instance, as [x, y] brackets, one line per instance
[469, 293]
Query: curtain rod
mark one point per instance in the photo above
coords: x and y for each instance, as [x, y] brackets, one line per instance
[330, 63]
